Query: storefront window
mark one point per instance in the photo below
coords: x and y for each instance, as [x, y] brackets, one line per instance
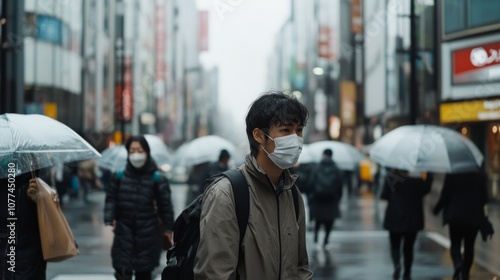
[484, 12]
[455, 18]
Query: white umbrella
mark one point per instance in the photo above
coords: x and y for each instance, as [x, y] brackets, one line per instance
[205, 149]
[37, 141]
[344, 155]
[426, 148]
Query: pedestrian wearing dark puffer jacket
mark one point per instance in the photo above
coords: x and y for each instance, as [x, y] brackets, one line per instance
[133, 204]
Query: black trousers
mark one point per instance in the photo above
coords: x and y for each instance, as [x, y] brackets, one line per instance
[127, 275]
[328, 227]
[408, 241]
[467, 235]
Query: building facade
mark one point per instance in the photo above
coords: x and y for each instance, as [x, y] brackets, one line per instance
[469, 33]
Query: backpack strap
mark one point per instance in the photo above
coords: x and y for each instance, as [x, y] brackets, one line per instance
[156, 180]
[241, 198]
[119, 174]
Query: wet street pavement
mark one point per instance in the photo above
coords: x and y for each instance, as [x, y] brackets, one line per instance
[358, 247]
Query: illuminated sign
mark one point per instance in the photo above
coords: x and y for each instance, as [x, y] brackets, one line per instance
[470, 111]
[476, 64]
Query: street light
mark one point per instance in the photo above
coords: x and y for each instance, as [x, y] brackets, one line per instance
[318, 71]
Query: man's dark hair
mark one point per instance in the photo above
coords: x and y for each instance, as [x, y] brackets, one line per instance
[273, 108]
[224, 154]
[328, 152]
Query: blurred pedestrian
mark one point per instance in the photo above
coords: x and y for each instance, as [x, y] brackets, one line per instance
[219, 166]
[58, 179]
[275, 239]
[133, 204]
[87, 175]
[197, 180]
[327, 182]
[28, 261]
[404, 215]
[462, 200]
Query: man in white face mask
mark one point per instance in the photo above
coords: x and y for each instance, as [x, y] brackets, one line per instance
[274, 244]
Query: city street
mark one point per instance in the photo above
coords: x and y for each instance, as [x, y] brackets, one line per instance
[358, 249]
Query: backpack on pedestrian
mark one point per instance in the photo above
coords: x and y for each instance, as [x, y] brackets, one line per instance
[327, 182]
[180, 258]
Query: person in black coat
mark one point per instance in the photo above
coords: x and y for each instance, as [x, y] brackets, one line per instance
[404, 216]
[462, 200]
[132, 203]
[28, 258]
[324, 201]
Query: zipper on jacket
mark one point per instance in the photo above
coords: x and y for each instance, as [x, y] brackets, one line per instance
[279, 233]
[279, 224]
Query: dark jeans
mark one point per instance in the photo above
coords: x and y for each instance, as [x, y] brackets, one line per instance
[408, 240]
[127, 275]
[467, 235]
[328, 227]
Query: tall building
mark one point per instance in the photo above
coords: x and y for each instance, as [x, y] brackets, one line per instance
[41, 59]
[469, 33]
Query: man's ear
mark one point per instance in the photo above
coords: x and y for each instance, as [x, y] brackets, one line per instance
[258, 135]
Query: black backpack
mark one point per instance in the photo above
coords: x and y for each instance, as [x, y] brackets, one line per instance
[180, 258]
[327, 181]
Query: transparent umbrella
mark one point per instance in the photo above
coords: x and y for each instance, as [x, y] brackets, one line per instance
[426, 148]
[205, 149]
[36, 141]
[115, 158]
[345, 155]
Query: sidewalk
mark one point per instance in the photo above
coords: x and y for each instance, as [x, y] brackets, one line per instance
[359, 248]
[487, 254]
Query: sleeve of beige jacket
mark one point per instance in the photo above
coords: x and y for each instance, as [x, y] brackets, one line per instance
[303, 267]
[217, 254]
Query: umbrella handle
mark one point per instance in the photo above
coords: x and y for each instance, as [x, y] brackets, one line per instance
[32, 171]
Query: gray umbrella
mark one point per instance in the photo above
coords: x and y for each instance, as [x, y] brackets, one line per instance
[37, 141]
[426, 148]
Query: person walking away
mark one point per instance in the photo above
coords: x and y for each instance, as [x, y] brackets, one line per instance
[404, 216]
[462, 200]
[29, 263]
[219, 166]
[133, 204]
[327, 182]
[87, 177]
[274, 243]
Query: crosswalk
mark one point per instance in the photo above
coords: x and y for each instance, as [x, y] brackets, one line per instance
[89, 276]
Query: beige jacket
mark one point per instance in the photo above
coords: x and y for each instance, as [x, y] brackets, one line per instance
[274, 246]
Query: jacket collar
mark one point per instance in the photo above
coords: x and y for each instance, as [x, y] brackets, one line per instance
[256, 171]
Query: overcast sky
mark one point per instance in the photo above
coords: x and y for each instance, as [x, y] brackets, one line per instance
[241, 41]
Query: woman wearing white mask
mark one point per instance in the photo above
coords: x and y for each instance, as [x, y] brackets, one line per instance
[132, 203]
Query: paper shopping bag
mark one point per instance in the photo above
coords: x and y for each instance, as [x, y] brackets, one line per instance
[58, 242]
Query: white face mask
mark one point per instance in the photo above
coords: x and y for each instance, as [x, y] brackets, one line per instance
[137, 159]
[287, 150]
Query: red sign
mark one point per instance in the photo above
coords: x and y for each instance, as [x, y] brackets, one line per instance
[357, 16]
[203, 31]
[476, 64]
[124, 97]
[325, 48]
[160, 35]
